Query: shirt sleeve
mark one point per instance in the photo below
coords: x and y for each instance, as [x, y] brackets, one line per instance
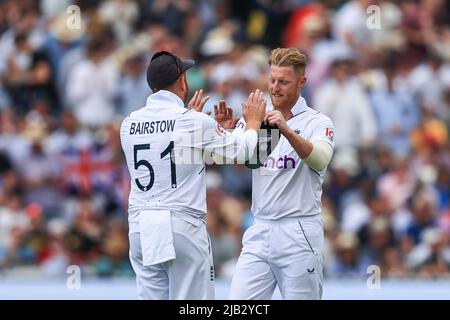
[225, 147]
[323, 131]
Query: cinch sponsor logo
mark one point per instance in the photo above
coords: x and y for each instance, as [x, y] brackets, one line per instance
[280, 163]
[220, 131]
[240, 125]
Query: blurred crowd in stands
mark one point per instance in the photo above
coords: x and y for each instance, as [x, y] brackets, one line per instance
[379, 69]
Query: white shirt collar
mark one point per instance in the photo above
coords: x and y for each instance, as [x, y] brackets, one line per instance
[164, 95]
[299, 106]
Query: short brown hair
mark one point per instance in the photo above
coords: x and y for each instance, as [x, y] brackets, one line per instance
[285, 57]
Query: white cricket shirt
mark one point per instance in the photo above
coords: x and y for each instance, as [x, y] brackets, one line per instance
[285, 186]
[163, 130]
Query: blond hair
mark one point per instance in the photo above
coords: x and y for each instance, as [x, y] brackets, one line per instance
[285, 57]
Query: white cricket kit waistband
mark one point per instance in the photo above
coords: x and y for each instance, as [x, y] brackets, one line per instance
[134, 226]
[285, 219]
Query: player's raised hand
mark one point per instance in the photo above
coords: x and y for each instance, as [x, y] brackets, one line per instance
[223, 114]
[198, 102]
[275, 118]
[255, 109]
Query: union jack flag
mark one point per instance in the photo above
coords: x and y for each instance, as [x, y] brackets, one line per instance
[88, 169]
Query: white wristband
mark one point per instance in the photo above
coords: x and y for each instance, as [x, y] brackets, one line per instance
[252, 138]
[320, 155]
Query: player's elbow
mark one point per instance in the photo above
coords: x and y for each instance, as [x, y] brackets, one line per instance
[239, 150]
[320, 156]
[233, 156]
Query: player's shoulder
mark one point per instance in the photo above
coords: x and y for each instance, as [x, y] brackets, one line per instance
[318, 117]
[193, 115]
[135, 114]
[125, 122]
[132, 116]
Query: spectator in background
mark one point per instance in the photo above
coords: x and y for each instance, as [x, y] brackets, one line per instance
[20, 18]
[92, 84]
[60, 42]
[429, 82]
[349, 25]
[113, 260]
[83, 239]
[303, 20]
[396, 112]
[430, 136]
[443, 189]
[431, 257]
[392, 264]
[11, 140]
[226, 79]
[237, 181]
[424, 213]
[67, 136]
[133, 87]
[36, 239]
[223, 88]
[348, 259]
[122, 15]
[13, 224]
[40, 172]
[28, 77]
[397, 185]
[343, 99]
[376, 238]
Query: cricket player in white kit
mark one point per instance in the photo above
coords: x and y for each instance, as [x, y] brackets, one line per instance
[284, 245]
[163, 143]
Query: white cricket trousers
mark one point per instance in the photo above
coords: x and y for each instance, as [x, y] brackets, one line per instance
[286, 252]
[189, 276]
